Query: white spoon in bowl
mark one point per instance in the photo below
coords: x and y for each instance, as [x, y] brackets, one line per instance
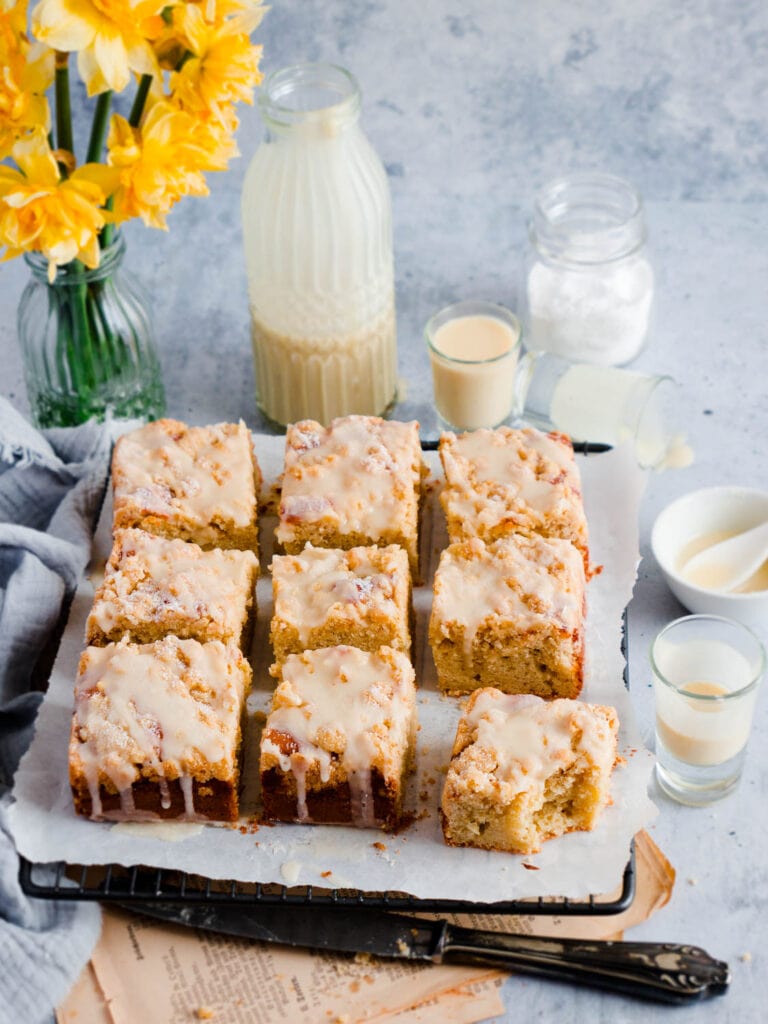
[725, 566]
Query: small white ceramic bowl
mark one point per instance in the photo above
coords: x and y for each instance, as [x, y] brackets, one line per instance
[708, 511]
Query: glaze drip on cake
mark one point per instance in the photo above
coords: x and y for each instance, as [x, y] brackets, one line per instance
[156, 713]
[338, 715]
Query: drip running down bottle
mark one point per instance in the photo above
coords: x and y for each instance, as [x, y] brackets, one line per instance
[317, 229]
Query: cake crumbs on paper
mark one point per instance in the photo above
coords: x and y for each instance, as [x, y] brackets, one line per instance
[530, 867]
[204, 1013]
[692, 881]
[746, 957]
[379, 846]
[326, 874]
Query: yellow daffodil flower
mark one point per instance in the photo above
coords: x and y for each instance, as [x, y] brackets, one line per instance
[218, 10]
[215, 137]
[14, 14]
[40, 212]
[111, 37]
[26, 71]
[158, 163]
[224, 65]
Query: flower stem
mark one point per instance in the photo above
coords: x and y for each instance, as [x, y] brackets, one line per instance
[64, 138]
[145, 84]
[107, 236]
[139, 102]
[95, 147]
[99, 127]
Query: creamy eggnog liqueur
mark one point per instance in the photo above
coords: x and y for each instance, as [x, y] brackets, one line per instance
[706, 672]
[473, 348]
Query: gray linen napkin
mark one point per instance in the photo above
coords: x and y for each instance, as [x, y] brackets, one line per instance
[50, 486]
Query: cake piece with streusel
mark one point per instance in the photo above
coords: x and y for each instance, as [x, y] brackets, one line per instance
[512, 481]
[154, 586]
[510, 614]
[194, 483]
[339, 739]
[326, 596]
[156, 731]
[524, 770]
[352, 484]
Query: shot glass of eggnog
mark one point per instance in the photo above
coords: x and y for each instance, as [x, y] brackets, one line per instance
[473, 347]
[706, 674]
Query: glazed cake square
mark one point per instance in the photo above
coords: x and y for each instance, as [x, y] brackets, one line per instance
[512, 481]
[156, 731]
[154, 586]
[510, 614]
[339, 739]
[194, 483]
[324, 597]
[352, 484]
[524, 770]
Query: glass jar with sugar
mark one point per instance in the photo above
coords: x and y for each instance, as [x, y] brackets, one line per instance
[588, 279]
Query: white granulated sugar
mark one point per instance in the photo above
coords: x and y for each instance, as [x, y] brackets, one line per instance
[597, 315]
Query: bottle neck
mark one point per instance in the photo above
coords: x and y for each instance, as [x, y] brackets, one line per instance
[318, 101]
[587, 220]
[75, 273]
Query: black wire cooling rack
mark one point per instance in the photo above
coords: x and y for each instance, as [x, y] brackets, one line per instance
[141, 885]
[113, 883]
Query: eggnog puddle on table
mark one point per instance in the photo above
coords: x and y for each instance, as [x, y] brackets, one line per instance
[473, 348]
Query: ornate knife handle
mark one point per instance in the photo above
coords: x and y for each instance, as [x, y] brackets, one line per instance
[662, 971]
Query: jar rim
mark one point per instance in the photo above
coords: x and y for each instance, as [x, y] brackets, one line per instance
[73, 273]
[336, 92]
[588, 219]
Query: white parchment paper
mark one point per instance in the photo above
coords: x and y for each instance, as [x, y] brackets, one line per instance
[46, 828]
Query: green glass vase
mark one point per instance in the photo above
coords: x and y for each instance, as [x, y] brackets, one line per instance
[87, 343]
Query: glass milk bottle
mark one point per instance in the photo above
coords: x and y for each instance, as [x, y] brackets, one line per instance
[317, 230]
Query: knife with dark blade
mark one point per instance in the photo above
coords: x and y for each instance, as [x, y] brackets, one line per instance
[666, 972]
